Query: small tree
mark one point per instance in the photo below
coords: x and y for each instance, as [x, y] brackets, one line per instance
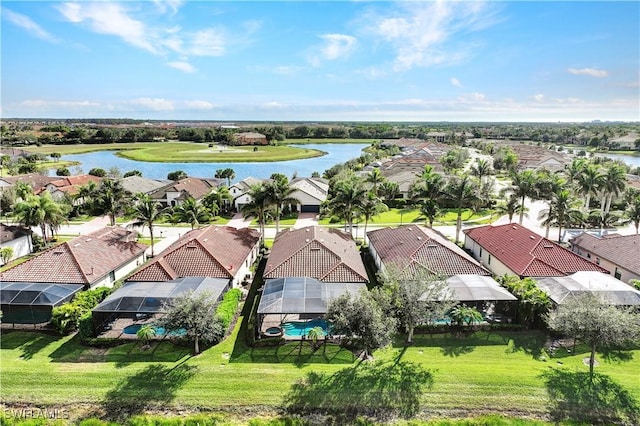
[6, 253]
[362, 320]
[195, 314]
[56, 156]
[176, 175]
[463, 314]
[63, 171]
[145, 334]
[597, 324]
[315, 334]
[417, 296]
[97, 171]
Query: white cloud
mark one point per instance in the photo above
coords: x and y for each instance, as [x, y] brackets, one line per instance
[423, 33]
[455, 82]
[182, 66]
[27, 24]
[335, 46]
[539, 97]
[154, 104]
[209, 42]
[372, 73]
[202, 105]
[109, 18]
[591, 72]
[165, 5]
[44, 104]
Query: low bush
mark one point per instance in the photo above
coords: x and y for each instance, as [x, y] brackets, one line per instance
[85, 326]
[227, 309]
[66, 318]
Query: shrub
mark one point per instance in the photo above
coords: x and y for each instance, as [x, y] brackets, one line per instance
[227, 309]
[85, 326]
[66, 318]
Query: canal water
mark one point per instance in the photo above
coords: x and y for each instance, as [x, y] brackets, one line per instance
[335, 154]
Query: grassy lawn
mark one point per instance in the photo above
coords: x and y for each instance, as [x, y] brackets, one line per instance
[405, 216]
[497, 371]
[328, 140]
[187, 152]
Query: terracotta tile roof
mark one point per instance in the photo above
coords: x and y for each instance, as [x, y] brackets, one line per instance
[413, 245]
[326, 254]
[10, 233]
[528, 254]
[36, 180]
[621, 250]
[212, 251]
[190, 186]
[71, 184]
[83, 260]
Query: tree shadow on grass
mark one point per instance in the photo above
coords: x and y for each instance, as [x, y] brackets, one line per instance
[530, 342]
[380, 389]
[153, 387]
[574, 396]
[30, 343]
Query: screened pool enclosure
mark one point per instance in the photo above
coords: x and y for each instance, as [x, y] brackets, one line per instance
[31, 303]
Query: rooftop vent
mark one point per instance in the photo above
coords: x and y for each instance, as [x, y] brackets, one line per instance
[548, 246]
[532, 237]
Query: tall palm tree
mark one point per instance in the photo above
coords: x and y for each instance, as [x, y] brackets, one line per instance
[462, 192]
[429, 185]
[561, 211]
[86, 195]
[147, 212]
[42, 211]
[524, 185]
[614, 181]
[389, 190]
[510, 207]
[23, 190]
[481, 169]
[430, 209]
[574, 169]
[279, 193]
[258, 207]
[190, 211]
[347, 198]
[218, 199]
[375, 178]
[111, 199]
[371, 206]
[589, 182]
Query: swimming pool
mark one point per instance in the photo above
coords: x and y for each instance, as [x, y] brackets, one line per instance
[160, 331]
[301, 328]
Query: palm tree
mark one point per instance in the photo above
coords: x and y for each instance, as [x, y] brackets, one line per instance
[190, 211]
[315, 334]
[279, 193]
[461, 191]
[561, 211]
[375, 178]
[614, 182]
[481, 169]
[371, 206]
[589, 182]
[429, 209]
[259, 206]
[348, 196]
[463, 314]
[145, 334]
[147, 211]
[40, 211]
[218, 200]
[633, 211]
[524, 185]
[86, 195]
[574, 169]
[389, 190]
[23, 190]
[510, 207]
[111, 199]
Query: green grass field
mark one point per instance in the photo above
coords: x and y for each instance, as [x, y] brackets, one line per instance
[440, 374]
[187, 152]
[407, 216]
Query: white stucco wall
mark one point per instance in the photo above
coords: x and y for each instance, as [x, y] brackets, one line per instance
[245, 269]
[108, 280]
[484, 257]
[20, 246]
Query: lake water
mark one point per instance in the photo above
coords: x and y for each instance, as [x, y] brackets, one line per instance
[336, 153]
[632, 160]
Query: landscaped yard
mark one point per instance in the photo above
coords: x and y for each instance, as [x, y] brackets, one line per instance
[487, 372]
[408, 216]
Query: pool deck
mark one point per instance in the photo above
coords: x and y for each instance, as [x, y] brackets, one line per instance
[118, 326]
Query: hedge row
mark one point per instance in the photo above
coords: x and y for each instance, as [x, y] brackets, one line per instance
[67, 318]
[226, 310]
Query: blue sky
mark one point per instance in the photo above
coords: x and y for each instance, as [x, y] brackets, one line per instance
[322, 61]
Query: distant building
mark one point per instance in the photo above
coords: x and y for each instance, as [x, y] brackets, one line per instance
[176, 192]
[250, 138]
[16, 238]
[310, 193]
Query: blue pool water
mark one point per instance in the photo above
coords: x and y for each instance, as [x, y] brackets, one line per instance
[160, 331]
[301, 328]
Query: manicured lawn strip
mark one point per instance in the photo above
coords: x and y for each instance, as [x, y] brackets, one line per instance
[485, 371]
[408, 216]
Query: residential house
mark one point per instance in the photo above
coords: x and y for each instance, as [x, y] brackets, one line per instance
[69, 185]
[14, 153]
[141, 185]
[211, 251]
[414, 246]
[97, 259]
[36, 180]
[326, 254]
[16, 238]
[627, 141]
[310, 193]
[240, 191]
[607, 288]
[176, 192]
[618, 254]
[250, 138]
[515, 250]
